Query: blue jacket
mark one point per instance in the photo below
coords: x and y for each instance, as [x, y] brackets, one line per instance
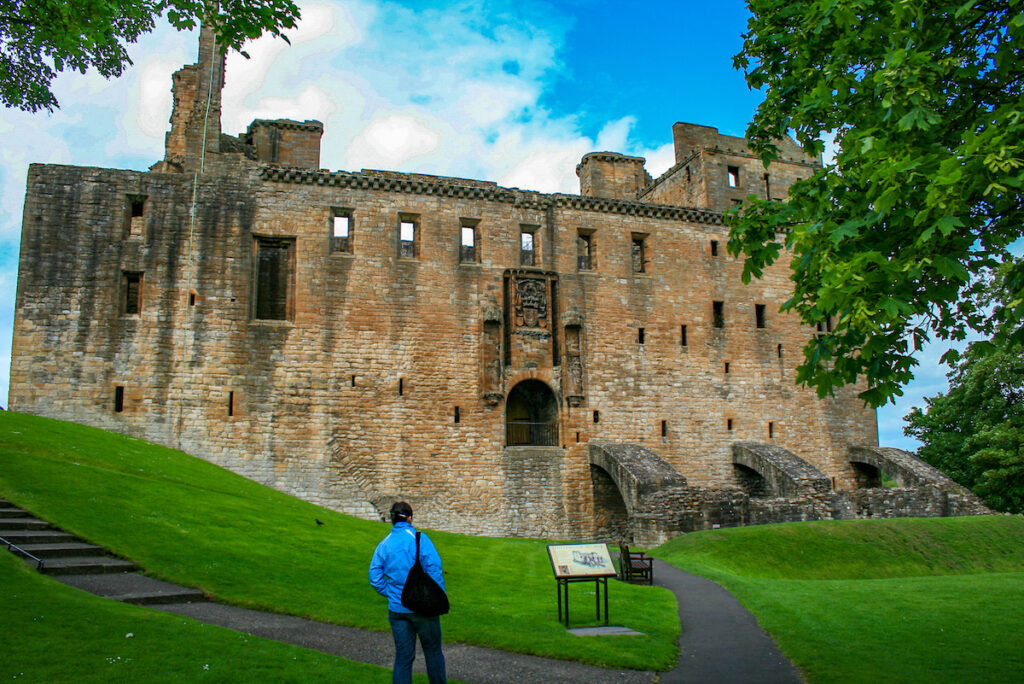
[394, 557]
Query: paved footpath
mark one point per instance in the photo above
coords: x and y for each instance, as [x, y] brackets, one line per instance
[721, 642]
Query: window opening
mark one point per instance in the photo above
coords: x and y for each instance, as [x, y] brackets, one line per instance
[467, 244]
[353, 381]
[825, 326]
[191, 298]
[767, 187]
[640, 335]
[131, 287]
[779, 351]
[728, 424]
[584, 252]
[456, 414]
[401, 386]
[577, 437]
[682, 335]
[274, 278]
[687, 174]
[639, 254]
[136, 214]
[718, 314]
[119, 399]
[759, 319]
[771, 430]
[231, 404]
[734, 176]
[597, 417]
[664, 428]
[714, 248]
[726, 367]
[407, 238]
[527, 248]
[341, 230]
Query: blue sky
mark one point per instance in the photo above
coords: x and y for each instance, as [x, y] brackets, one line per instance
[515, 93]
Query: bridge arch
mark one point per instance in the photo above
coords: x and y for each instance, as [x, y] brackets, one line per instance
[768, 471]
[907, 470]
[636, 471]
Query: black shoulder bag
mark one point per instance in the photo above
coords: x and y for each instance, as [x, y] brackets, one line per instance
[421, 594]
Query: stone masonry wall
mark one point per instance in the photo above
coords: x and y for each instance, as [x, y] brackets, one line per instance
[375, 387]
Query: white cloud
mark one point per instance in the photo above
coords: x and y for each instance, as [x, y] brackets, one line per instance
[393, 140]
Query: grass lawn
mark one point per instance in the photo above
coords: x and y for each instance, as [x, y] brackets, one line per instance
[53, 633]
[188, 521]
[906, 600]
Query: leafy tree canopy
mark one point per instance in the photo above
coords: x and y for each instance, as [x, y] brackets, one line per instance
[41, 38]
[925, 100]
[975, 432]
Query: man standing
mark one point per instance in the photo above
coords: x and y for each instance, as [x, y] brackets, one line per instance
[390, 566]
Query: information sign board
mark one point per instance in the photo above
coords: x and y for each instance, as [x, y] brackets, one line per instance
[570, 561]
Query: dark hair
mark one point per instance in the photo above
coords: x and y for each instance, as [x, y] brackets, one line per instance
[400, 512]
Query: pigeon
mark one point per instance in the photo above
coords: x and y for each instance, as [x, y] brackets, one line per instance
[318, 521]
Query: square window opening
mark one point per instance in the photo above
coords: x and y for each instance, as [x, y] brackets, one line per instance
[734, 176]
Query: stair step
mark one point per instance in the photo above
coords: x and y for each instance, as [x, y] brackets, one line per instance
[133, 588]
[11, 512]
[22, 537]
[22, 524]
[86, 565]
[62, 549]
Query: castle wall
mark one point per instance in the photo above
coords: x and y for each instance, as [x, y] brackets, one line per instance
[389, 374]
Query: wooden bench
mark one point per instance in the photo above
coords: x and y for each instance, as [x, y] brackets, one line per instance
[635, 566]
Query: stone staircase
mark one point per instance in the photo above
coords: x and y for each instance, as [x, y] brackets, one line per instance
[70, 560]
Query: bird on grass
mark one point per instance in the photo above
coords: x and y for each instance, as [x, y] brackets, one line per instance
[318, 521]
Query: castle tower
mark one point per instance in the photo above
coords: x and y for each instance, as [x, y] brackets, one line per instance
[195, 118]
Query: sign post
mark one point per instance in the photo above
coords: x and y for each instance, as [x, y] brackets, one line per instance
[581, 563]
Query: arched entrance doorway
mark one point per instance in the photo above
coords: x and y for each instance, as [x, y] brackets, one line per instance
[531, 415]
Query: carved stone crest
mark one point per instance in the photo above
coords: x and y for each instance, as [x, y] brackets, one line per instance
[532, 302]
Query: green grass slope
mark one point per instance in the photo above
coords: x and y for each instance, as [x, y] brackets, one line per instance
[54, 633]
[904, 600]
[188, 521]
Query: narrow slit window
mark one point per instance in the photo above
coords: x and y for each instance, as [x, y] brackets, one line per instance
[401, 386]
[767, 187]
[728, 424]
[597, 417]
[664, 428]
[191, 298]
[640, 335]
[457, 416]
[726, 367]
[771, 430]
[779, 351]
[718, 314]
[734, 176]
[231, 404]
[119, 399]
[353, 381]
[714, 248]
[131, 293]
[759, 319]
[682, 335]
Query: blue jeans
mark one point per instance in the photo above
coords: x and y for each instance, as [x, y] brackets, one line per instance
[404, 628]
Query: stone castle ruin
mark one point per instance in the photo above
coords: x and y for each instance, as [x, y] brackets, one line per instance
[510, 362]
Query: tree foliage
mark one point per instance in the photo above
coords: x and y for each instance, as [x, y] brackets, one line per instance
[891, 241]
[41, 38]
[975, 432]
